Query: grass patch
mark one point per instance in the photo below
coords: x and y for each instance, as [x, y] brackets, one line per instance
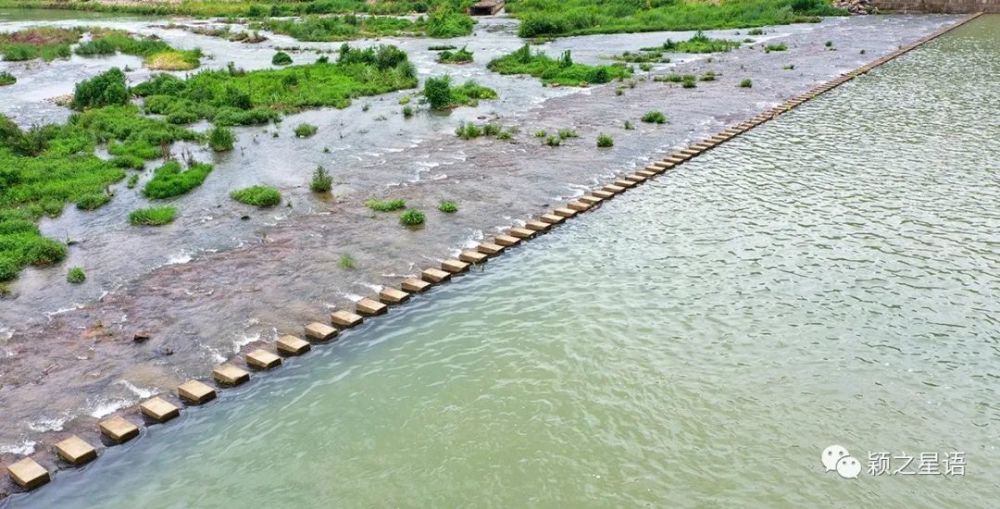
[281, 58]
[548, 18]
[46, 43]
[152, 216]
[462, 56]
[775, 47]
[442, 47]
[789, 67]
[156, 53]
[346, 261]
[443, 23]
[746, 83]
[321, 181]
[107, 88]
[441, 95]
[76, 276]
[755, 31]
[448, 207]
[386, 205]
[6, 79]
[92, 201]
[305, 130]
[236, 97]
[412, 217]
[221, 139]
[133, 180]
[171, 180]
[654, 117]
[407, 111]
[258, 196]
[561, 71]
[605, 141]
[708, 76]
[629, 126]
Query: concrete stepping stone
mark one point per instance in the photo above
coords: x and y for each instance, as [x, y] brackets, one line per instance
[624, 183]
[591, 199]
[469, 256]
[262, 359]
[75, 451]
[537, 226]
[521, 233]
[370, 307]
[413, 285]
[227, 374]
[194, 392]
[489, 248]
[647, 173]
[565, 212]
[506, 240]
[320, 332]
[613, 189]
[28, 474]
[159, 410]
[602, 194]
[393, 296]
[578, 206]
[454, 266]
[435, 275]
[551, 218]
[343, 319]
[635, 177]
[118, 429]
[291, 345]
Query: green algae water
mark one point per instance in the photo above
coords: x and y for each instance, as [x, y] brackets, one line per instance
[830, 278]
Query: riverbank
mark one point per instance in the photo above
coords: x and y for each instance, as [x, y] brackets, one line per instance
[76, 364]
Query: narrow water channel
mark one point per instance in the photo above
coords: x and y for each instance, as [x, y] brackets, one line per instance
[830, 278]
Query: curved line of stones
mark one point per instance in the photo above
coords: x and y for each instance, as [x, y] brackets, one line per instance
[75, 451]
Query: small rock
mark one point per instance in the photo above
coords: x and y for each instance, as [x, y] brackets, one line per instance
[141, 337]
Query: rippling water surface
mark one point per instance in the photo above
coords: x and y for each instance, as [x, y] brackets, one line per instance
[832, 277]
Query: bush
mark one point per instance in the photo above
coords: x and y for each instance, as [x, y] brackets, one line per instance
[462, 56]
[105, 89]
[258, 196]
[553, 141]
[747, 83]
[321, 181]
[170, 180]
[412, 217]
[438, 92]
[407, 111]
[7, 78]
[654, 117]
[560, 71]
[92, 201]
[448, 207]
[305, 130]
[468, 131]
[346, 262]
[567, 133]
[153, 216]
[386, 205]
[447, 23]
[605, 141]
[281, 58]
[775, 47]
[221, 139]
[76, 275]
[628, 125]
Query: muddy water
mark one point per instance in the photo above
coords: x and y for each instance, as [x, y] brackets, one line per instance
[211, 284]
[829, 278]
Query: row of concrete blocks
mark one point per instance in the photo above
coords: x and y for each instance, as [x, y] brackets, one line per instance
[28, 474]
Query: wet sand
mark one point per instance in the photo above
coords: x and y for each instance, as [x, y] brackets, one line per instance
[276, 271]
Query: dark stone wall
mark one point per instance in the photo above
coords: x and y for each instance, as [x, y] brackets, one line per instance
[947, 6]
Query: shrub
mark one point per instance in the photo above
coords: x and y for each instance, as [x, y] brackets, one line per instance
[688, 82]
[746, 83]
[407, 111]
[7, 78]
[346, 262]
[541, 133]
[553, 141]
[828, 44]
[321, 181]
[654, 117]
[152, 216]
[775, 47]
[755, 31]
[305, 130]
[567, 133]
[605, 141]
[92, 201]
[446, 23]
[104, 89]
[438, 92]
[386, 205]
[258, 196]
[468, 131]
[462, 56]
[281, 58]
[412, 217]
[708, 76]
[76, 276]
[628, 125]
[170, 180]
[221, 139]
[448, 207]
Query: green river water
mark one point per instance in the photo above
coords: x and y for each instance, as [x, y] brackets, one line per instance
[830, 278]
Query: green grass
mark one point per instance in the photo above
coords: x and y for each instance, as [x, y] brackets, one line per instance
[152, 216]
[386, 205]
[236, 97]
[244, 8]
[443, 23]
[441, 47]
[561, 71]
[321, 181]
[92, 201]
[746, 83]
[407, 111]
[708, 76]
[755, 31]
[775, 47]
[305, 130]
[281, 58]
[76, 276]
[448, 207]
[133, 180]
[629, 126]
[156, 53]
[654, 117]
[107, 88]
[46, 43]
[221, 139]
[346, 261]
[172, 180]
[442, 95]
[553, 141]
[6, 79]
[412, 217]
[605, 141]
[548, 18]
[462, 56]
[258, 196]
